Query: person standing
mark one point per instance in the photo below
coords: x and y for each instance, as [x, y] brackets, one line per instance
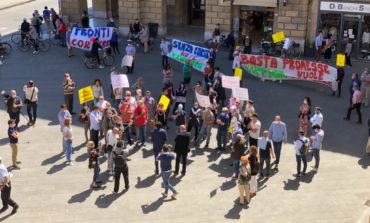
[120, 166]
[114, 42]
[14, 105]
[318, 45]
[244, 179]
[317, 139]
[93, 163]
[97, 90]
[222, 123]
[159, 138]
[25, 29]
[95, 119]
[304, 114]
[348, 52]
[140, 121]
[165, 157]
[194, 120]
[46, 15]
[180, 95]
[130, 51]
[62, 116]
[340, 76]
[150, 104]
[69, 87]
[180, 116]
[67, 135]
[355, 81]
[356, 104]
[301, 156]
[247, 42]
[144, 38]
[62, 30]
[31, 97]
[278, 135]
[266, 153]
[236, 153]
[83, 117]
[6, 188]
[254, 130]
[68, 38]
[328, 45]
[111, 137]
[208, 120]
[111, 23]
[164, 46]
[34, 38]
[317, 118]
[13, 141]
[186, 71]
[85, 20]
[254, 164]
[365, 86]
[182, 142]
[167, 75]
[230, 41]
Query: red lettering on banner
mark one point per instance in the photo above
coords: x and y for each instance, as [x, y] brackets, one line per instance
[309, 75]
[252, 60]
[313, 65]
[308, 66]
[291, 64]
[326, 69]
[273, 63]
[244, 59]
[259, 61]
[285, 63]
[87, 44]
[297, 65]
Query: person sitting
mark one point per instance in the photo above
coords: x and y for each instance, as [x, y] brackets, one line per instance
[95, 51]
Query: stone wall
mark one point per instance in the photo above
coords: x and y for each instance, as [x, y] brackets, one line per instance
[73, 9]
[217, 12]
[100, 9]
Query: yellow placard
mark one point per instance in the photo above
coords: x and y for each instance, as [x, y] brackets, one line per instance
[278, 37]
[85, 94]
[165, 101]
[238, 72]
[341, 60]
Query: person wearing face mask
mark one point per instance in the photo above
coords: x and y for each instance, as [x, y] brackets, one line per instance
[356, 104]
[180, 116]
[222, 123]
[317, 118]
[304, 114]
[164, 46]
[194, 120]
[317, 139]
[247, 44]
[14, 105]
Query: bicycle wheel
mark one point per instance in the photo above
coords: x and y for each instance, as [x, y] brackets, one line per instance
[24, 46]
[54, 40]
[108, 60]
[16, 38]
[44, 46]
[90, 63]
[8, 48]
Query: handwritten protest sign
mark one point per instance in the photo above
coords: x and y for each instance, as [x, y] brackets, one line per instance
[238, 72]
[182, 51]
[120, 81]
[203, 100]
[83, 38]
[127, 61]
[274, 68]
[165, 101]
[278, 37]
[85, 94]
[241, 94]
[341, 60]
[230, 82]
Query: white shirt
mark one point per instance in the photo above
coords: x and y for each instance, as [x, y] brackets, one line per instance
[28, 93]
[317, 119]
[4, 173]
[164, 48]
[257, 126]
[95, 118]
[67, 132]
[111, 138]
[102, 104]
[298, 144]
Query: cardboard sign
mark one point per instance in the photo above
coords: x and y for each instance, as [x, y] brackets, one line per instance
[341, 60]
[203, 100]
[165, 101]
[241, 94]
[127, 61]
[85, 94]
[230, 82]
[278, 37]
[120, 81]
[238, 72]
[183, 51]
[275, 68]
[83, 38]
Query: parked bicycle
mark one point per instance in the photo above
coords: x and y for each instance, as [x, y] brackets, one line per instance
[5, 48]
[27, 44]
[92, 63]
[221, 45]
[291, 49]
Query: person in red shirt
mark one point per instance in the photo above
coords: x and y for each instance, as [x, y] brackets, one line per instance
[62, 30]
[126, 113]
[140, 120]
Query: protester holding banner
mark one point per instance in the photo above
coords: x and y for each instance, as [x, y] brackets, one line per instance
[130, 51]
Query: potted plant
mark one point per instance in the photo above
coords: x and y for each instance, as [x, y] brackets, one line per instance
[309, 48]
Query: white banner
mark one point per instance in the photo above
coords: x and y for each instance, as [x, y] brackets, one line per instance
[83, 38]
[241, 94]
[230, 81]
[203, 100]
[127, 61]
[120, 81]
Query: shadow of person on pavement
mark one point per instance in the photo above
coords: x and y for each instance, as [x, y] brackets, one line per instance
[80, 197]
[234, 212]
[5, 217]
[364, 162]
[57, 168]
[176, 179]
[308, 177]
[104, 201]
[227, 185]
[53, 122]
[52, 159]
[81, 158]
[222, 168]
[77, 148]
[291, 184]
[147, 182]
[147, 153]
[23, 128]
[4, 141]
[155, 205]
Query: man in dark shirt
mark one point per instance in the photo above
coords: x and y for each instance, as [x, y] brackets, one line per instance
[159, 138]
[182, 142]
[25, 28]
[13, 141]
[222, 123]
[340, 76]
[95, 50]
[85, 20]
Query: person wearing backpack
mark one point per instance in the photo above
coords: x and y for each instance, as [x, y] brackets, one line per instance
[119, 156]
[301, 149]
[244, 178]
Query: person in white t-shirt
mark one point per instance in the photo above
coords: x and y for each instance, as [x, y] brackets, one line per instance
[164, 52]
[112, 137]
[254, 130]
[317, 118]
[301, 157]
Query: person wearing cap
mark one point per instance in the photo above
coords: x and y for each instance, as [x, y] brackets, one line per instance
[278, 134]
[130, 51]
[6, 188]
[159, 138]
[317, 118]
[301, 157]
[317, 139]
[266, 152]
[243, 179]
[62, 115]
[254, 130]
[69, 88]
[95, 120]
[31, 96]
[93, 163]
[13, 136]
[222, 123]
[182, 142]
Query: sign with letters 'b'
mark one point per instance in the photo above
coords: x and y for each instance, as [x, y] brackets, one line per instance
[85, 94]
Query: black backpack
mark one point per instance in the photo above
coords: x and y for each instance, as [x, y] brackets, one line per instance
[304, 148]
[119, 161]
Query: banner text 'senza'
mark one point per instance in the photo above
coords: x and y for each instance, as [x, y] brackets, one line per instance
[83, 38]
[268, 67]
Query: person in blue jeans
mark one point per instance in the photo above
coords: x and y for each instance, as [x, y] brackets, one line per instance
[278, 135]
[299, 156]
[222, 123]
[159, 138]
[67, 135]
[165, 158]
[317, 145]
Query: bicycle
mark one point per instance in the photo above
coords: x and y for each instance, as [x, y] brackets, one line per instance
[5, 48]
[26, 45]
[55, 39]
[292, 51]
[211, 43]
[92, 63]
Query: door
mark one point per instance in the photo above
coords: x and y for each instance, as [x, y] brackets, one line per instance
[351, 32]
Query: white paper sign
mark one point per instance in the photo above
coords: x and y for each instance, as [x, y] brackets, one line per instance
[230, 82]
[203, 100]
[241, 94]
[120, 81]
[127, 61]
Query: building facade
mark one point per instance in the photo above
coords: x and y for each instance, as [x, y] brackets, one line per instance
[300, 20]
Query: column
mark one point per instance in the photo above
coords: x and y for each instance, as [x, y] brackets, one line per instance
[217, 12]
[73, 9]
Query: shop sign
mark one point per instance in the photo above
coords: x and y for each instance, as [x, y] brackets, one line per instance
[345, 7]
[182, 51]
[275, 68]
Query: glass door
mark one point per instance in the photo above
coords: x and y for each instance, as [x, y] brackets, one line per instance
[350, 32]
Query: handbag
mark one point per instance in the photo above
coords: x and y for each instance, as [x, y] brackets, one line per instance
[28, 101]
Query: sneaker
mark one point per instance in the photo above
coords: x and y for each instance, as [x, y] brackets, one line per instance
[101, 66]
[35, 52]
[164, 194]
[70, 163]
[15, 209]
[174, 195]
